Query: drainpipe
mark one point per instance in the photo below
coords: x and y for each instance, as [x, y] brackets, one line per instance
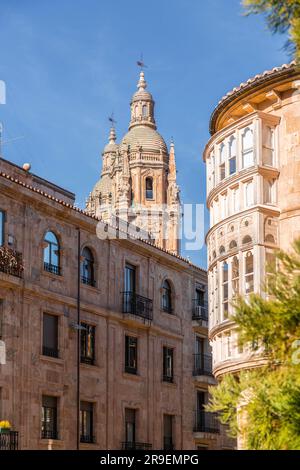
[78, 339]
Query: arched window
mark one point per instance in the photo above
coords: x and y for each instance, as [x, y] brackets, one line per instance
[235, 276]
[225, 290]
[232, 245]
[246, 239]
[87, 267]
[268, 191]
[232, 155]
[214, 254]
[247, 147]
[249, 194]
[51, 254]
[149, 188]
[270, 238]
[249, 280]
[145, 110]
[136, 111]
[166, 297]
[222, 250]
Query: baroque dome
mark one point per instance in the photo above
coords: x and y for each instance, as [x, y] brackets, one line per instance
[145, 136]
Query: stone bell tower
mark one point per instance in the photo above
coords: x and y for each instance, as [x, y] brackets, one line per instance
[138, 180]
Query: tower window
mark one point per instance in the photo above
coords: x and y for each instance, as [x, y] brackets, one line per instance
[149, 188]
[232, 155]
[145, 110]
[247, 146]
[249, 281]
[225, 290]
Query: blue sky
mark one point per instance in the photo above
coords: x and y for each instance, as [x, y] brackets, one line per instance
[68, 64]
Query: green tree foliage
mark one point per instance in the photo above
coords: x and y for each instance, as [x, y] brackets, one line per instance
[282, 16]
[273, 390]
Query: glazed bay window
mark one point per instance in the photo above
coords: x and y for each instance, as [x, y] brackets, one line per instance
[249, 273]
[131, 354]
[222, 167]
[49, 417]
[268, 142]
[247, 147]
[2, 220]
[50, 335]
[225, 290]
[168, 374]
[235, 277]
[86, 422]
[87, 341]
[249, 194]
[232, 155]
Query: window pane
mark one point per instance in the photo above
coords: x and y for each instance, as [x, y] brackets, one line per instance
[50, 332]
[1, 228]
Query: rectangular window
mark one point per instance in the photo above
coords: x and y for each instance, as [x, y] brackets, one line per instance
[247, 147]
[168, 432]
[2, 220]
[50, 335]
[268, 191]
[129, 298]
[168, 364]
[130, 278]
[232, 165]
[87, 342]
[49, 417]
[86, 422]
[249, 275]
[268, 145]
[130, 425]
[131, 344]
[222, 171]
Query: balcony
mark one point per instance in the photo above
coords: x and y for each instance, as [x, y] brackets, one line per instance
[49, 434]
[87, 360]
[52, 268]
[200, 312]
[136, 446]
[87, 439]
[50, 352]
[137, 305]
[202, 364]
[206, 422]
[11, 262]
[88, 281]
[9, 440]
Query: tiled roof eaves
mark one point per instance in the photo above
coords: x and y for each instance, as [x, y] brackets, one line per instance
[84, 213]
[243, 88]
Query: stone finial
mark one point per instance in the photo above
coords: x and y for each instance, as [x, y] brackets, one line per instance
[112, 135]
[142, 84]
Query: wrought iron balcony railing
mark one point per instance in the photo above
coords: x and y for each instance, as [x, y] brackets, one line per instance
[88, 281]
[206, 422]
[9, 440]
[50, 352]
[202, 364]
[87, 439]
[137, 305]
[200, 312]
[87, 360]
[136, 446]
[11, 262]
[52, 268]
[49, 434]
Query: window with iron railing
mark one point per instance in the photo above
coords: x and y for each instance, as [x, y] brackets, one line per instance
[87, 343]
[49, 417]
